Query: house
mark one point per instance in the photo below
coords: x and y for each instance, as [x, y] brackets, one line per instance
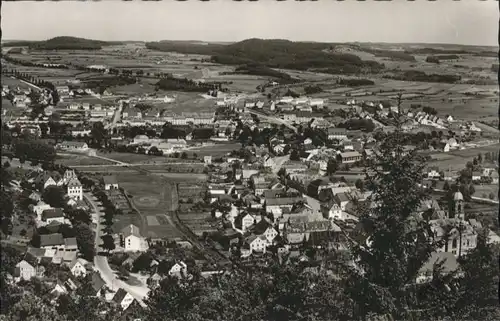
[350, 157]
[433, 173]
[276, 205]
[75, 189]
[177, 143]
[452, 142]
[70, 244]
[318, 102]
[270, 234]
[246, 221]
[476, 176]
[97, 283]
[449, 265]
[53, 215]
[132, 240]
[53, 241]
[49, 181]
[62, 90]
[342, 200]
[73, 146]
[494, 177]
[332, 211]
[178, 269]
[110, 182]
[39, 208]
[26, 269]
[337, 133]
[68, 175]
[257, 243]
[123, 298]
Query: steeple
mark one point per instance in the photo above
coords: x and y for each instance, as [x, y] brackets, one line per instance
[458, 200]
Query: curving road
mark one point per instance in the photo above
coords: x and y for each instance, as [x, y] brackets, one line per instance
[101, 262]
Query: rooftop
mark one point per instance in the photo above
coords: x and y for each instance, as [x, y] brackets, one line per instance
[51, 239]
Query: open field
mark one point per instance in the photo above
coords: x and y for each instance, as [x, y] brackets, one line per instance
[14, 83]
[456, 160]
[198, 222]
[152, 198]
[216, 150]
[132, 158]
[75, 160]
[484, 191]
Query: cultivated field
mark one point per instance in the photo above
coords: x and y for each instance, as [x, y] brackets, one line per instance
[198, 222]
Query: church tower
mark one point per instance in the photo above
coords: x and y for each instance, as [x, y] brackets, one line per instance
[458, 200]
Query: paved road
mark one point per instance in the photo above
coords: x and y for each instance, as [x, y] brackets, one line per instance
[101, 262]
[116, 117]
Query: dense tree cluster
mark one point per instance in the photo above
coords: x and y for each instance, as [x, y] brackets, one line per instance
[276, 54]
[312, 89]
[393, 55]
[354, 82]
[366, 125]
[171, 83]
[415, 75]
[259, 70]
[61, 43]
[33, 150]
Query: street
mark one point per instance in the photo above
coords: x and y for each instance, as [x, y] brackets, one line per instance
[101, 262]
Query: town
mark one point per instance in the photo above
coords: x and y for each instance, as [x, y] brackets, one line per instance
[117, 180]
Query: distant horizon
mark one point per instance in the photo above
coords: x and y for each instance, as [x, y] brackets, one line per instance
[231, 42]
[472, 23]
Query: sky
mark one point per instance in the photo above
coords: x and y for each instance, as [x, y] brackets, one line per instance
[469, 22]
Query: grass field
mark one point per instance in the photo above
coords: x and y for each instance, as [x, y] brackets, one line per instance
[457, 160]
[152, 198]
[216, 150]
[485, 190]
[75, 160]
[132, 158]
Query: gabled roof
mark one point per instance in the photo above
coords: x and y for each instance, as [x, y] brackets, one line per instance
[342, 197]
[70, 241]
[110, 179]
[131, 230]
[52, 213]
[51, 239]
[74, 182]
[119, 295]
[97, 282]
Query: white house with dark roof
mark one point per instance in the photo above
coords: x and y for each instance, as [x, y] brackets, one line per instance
[350, 157]
[178, 269]
[132, 240]
[110, 182]
[77, 267]
[51, 215]
[257, 243]
[123, 299]
[75, 189]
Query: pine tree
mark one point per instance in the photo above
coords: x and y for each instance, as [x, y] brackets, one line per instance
[398, 244]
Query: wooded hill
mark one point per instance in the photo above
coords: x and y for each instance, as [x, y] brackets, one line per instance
[275, 54]
[62, 43]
